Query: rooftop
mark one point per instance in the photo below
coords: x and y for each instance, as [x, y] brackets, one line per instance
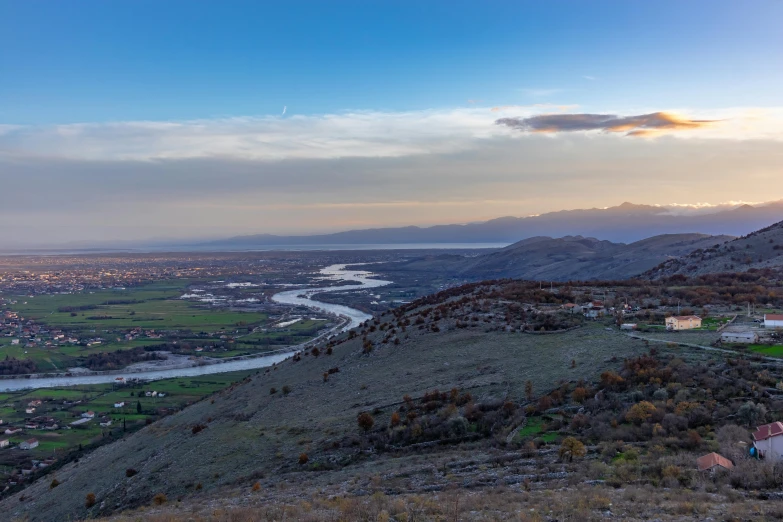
[768, 430]
[711, 460]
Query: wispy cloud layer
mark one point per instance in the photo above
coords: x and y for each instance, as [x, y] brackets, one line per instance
[359, 134]
[641, 125]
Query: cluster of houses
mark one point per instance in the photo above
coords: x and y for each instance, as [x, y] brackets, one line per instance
[595, 309]
[29, 334]
[751, 336]
[767, 444]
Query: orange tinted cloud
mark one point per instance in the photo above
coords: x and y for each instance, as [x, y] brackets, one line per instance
[641, 125]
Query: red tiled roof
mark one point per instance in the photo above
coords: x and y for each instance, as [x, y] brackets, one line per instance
[773, 317]
[31, 441]
[711, 460]
[686, 317]
[768, 430]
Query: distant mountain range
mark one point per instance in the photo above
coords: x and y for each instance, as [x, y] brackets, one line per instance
[624, 223]
[561, 259]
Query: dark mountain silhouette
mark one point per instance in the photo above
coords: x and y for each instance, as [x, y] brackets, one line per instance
[624, 223]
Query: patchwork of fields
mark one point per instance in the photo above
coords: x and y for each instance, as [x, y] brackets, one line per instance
[66, 405]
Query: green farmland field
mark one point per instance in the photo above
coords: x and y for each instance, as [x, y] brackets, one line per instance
[110, 314]
[150, 308]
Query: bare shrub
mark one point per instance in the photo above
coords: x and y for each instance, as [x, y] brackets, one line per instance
[365, 421]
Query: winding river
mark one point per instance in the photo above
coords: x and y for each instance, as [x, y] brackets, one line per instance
[334, 273]
[301, 297]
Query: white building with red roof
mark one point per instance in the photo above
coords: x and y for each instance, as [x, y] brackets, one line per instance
[773, 320]
[768, 440]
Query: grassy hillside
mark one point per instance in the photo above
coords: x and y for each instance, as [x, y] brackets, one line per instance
[248, 433]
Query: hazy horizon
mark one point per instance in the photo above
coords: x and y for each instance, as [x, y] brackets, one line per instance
[158, 242]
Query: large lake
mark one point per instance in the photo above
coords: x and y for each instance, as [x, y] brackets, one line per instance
[355, 317]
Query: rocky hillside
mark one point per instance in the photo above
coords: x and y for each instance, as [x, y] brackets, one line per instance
[758, 250]
[298, 421]
[559, 259]
[580, 258]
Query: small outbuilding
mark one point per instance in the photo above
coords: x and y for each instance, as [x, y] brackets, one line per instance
[28, 444]
[713, 462]
[739, 337]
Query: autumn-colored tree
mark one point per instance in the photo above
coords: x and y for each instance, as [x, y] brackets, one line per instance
[303, 458]
[572, 448]
[579, 394]
[159, 499]
[610, 379]
[529, 390]
[640, 412]
[395, 419]
[89, 500]
[365, 421]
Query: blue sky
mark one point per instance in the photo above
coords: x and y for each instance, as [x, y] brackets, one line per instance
[67, 62]
[134, 119]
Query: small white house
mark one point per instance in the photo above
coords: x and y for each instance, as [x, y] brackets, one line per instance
[768, 440]
[4, 443]
[88, 414]
[28, 444]
[119, 404]
[773, 320]
[739, 337]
